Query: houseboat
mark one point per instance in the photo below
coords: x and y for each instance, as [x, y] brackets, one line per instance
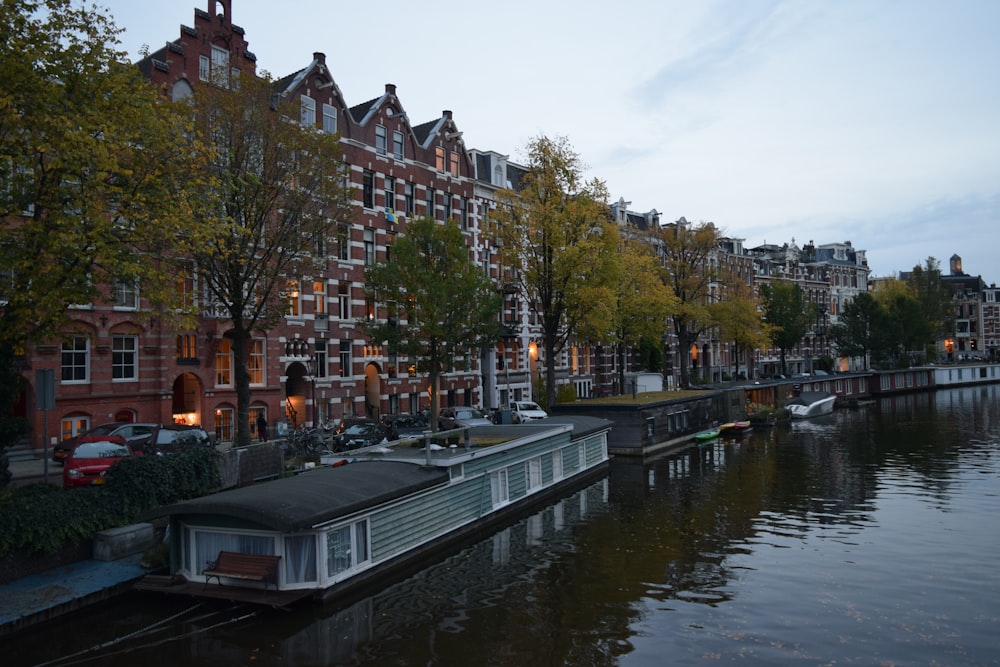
[337, 528]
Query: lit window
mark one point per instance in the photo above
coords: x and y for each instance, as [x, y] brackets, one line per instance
[187, 347]
[453, 165]
[294, 296]
[73, 426]
[224, 425]
[255, 362]
[319, 297]
[124, 358]
[224, 364]
[439, 158]
[76, 360]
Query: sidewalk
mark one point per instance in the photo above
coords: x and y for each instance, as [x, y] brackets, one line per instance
[41, 597]
[30, 472]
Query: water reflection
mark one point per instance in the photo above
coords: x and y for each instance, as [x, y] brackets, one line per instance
[858, 537]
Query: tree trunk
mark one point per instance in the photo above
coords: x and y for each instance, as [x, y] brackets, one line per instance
[240, 346]
[550, 374]
[620, 353]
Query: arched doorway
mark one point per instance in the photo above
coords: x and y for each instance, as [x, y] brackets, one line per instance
[185, 408]
[296, 396]
[373, 391]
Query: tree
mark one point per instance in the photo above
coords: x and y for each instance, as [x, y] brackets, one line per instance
[92, 175]
[906, 330]
[739, 316]
[857, 329]
[277, 196]
[643, 303]
[439, 304]
[559, 242]
[935, 296]
[689, 271]
[787, 313]
[91, 169]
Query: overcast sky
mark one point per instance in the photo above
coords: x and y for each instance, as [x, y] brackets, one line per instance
[870, 121]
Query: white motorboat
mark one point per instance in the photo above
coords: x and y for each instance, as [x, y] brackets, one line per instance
[811, 404]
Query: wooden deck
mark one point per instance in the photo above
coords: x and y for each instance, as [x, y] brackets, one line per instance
[196, 589]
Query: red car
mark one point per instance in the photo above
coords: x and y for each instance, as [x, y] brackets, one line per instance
[89, 463]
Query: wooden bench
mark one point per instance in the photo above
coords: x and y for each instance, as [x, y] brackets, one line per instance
[249, 567]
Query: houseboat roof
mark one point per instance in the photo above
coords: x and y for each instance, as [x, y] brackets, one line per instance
[313, 497]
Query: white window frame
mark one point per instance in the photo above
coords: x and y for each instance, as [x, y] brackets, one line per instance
[307, 111]
[533, 474]
[381, 140]
[126, 297]
[397, 145]
[124, 358]
[359, 549]
[499, 488]
[79, 360]
[257, 362]
[225, 425]
[224, 363]
[329, 119]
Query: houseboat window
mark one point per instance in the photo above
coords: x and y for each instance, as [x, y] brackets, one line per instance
[534, 473]
[499, 488]
[347, 547]
[557, 465]
[207, 546]
[300, 559]
[457, 471]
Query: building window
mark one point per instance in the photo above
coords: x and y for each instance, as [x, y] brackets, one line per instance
[224, 364]
[431, 203]
[124, 358]
[256, 362]
[187, 286]
[439, 158]
[294, 296]
[380, 139]
[126, 296]
[320, 370]
[449, 206]
[463, 212]
[73, 426]
[224, 425]
[215, 69]
[319, 297]
[397, 145]
[187, 347]
[307, 111]
[368, 189]
[453, 164]
[343, 241]
[389, 194]
[329, 119]
[369, 246]
[76, 360]
[344, 297]
[499, 490]
[345, 358]
[408, 198]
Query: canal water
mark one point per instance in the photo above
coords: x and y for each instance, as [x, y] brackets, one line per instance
[866, 537]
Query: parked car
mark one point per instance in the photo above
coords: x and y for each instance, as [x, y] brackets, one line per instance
[93, 456]
[172, 438]
[526, 411]
[357, 435]
[450, 418]
[137, 435]
[402, 426]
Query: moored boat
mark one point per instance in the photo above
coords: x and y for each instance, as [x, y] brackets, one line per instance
[811, 404]
[736, 428]
[706, 436]
[336, 528]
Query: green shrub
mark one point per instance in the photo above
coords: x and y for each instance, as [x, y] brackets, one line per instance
[43, 518]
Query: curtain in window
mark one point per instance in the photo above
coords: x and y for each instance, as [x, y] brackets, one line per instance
[300, 559]
[207, 546]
